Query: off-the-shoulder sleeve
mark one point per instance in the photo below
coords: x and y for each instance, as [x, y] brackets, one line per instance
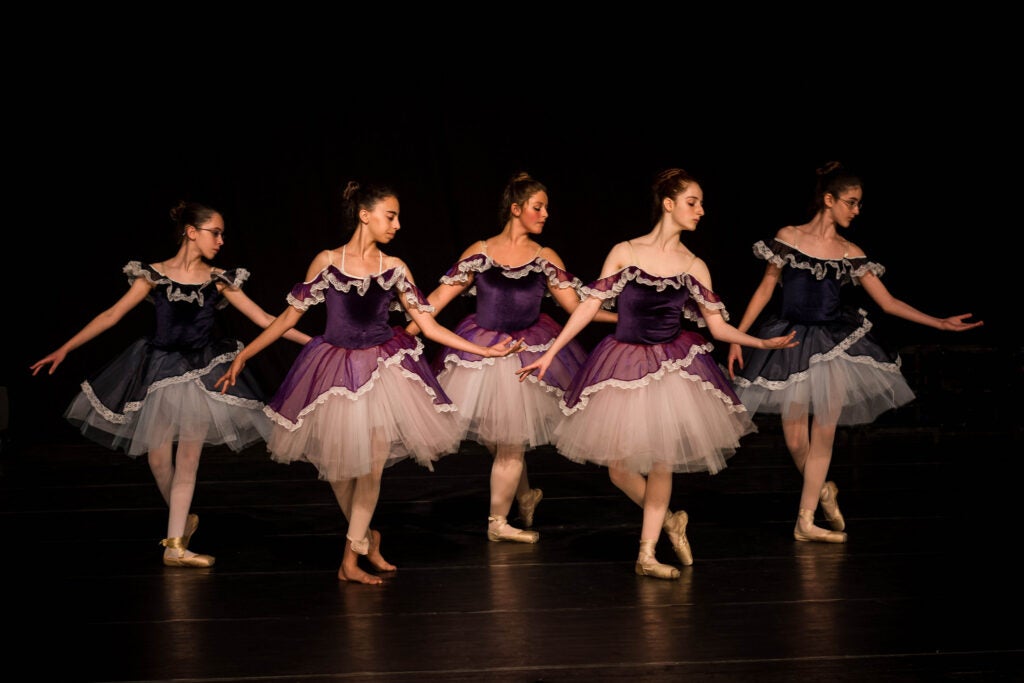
[412, 294]
[233, 277]
[558, 277]
[860, 266]
[136, 269]
[459, 273]
[306, 294]
[606, 289]
[775, 252]
[701, 296]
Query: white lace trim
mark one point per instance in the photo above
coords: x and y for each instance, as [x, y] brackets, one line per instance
[479, 263]
[634, 273]
[174, 290]
[852, 268]
[192, 376]
[354, 395]
[675, 365]
[839, 350]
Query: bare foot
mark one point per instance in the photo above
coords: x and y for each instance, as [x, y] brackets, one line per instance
[357, 575]
[374, 557]
[350, 571]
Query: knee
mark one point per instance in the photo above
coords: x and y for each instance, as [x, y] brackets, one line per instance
[619, 478]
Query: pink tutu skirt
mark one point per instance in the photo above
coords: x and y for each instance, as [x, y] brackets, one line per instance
[353, 413]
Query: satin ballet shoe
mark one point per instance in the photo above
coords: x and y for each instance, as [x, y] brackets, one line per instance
[178, 559]
[191, 524]
[528, 505]
[805, 530]
[829, 499]
[498, 529]
[675, 527]
[648, 565]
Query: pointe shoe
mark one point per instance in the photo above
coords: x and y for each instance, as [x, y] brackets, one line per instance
[528, 505]
[191, 524]
[498, 529]
[675, 527]
[829, 499]
[178, 558]
[805, 530]
[648, 565]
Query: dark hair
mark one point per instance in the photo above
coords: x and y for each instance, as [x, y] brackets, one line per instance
[518, 190]
[356, 197]
[833, 179]
[668, 184]
[185, 213]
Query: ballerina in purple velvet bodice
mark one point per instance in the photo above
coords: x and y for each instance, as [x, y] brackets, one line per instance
[360, 396]
[650, 400]
[504, 415]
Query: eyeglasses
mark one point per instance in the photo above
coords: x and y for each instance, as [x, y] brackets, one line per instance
[217, 234]
[852, 203]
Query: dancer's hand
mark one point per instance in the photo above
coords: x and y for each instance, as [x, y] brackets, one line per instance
[956, 323]
[54, 359]
[540, 365]
[505, 347]
[229, 378]
[784, 342]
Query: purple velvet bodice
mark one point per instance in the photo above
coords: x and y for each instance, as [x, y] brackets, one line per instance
[508, 297]
[651, 308]
[357, 322]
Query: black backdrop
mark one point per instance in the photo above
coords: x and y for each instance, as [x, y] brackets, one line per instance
[99, 163]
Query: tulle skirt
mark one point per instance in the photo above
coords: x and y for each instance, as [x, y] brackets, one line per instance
[146, 398]
[362, 406]
[662, 406]
[496, 409]
[839, 373]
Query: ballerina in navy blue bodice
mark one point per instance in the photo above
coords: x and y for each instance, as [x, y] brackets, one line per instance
[160, 391]
[506, 416]
[361, 396]
[650, 400]
[840, 374]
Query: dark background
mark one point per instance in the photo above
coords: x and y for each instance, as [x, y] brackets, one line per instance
[100, 152]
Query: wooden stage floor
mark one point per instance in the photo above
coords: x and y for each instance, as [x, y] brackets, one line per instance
[927, 589]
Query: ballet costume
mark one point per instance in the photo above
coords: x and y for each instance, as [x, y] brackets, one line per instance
[839, 372]
[363, 380]
[161, 388]
[650, 397]
[495, 407]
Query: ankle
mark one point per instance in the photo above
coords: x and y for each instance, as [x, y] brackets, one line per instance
[647, 564]
[360, 546]
[173, 547]
[498, 529]
[647, 549]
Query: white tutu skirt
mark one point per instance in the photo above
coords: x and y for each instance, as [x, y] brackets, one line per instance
[838, 391]
[669, 421]
[839, 373]
[391, 417]
[177, 410]
[496, 409]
